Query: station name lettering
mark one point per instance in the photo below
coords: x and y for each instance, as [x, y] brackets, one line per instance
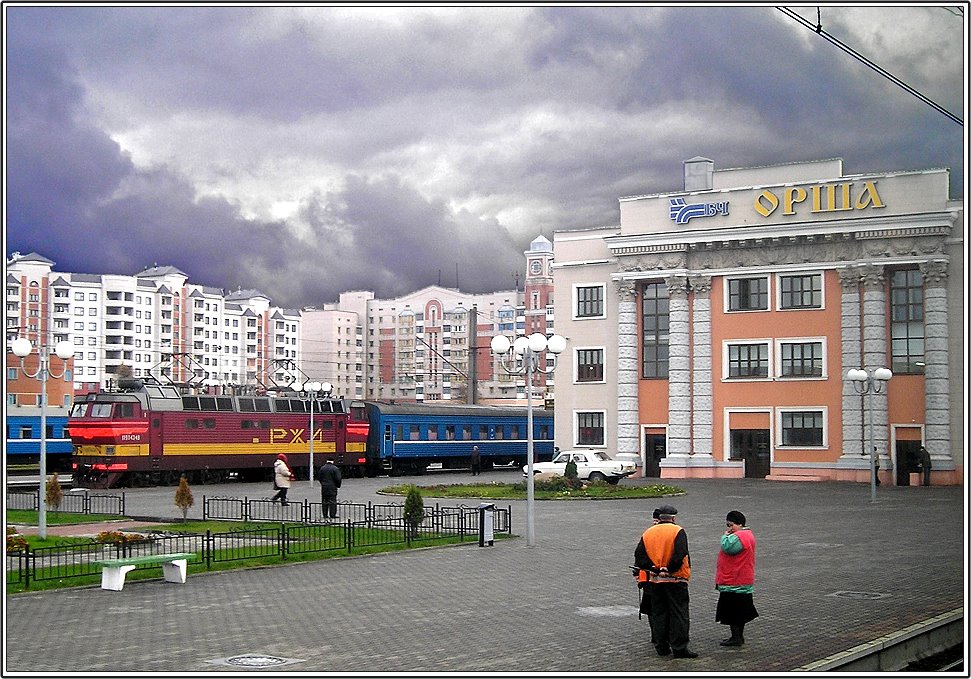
[823, 198]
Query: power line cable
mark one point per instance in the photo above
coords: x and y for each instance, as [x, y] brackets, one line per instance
[818, 28]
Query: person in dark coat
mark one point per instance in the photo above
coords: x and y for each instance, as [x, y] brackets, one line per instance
[924, 464]
[663, 552]
[330, 480]
[476, 461]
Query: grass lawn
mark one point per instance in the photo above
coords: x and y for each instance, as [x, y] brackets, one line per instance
[555, 489]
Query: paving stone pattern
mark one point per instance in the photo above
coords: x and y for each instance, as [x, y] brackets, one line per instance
[567, 605]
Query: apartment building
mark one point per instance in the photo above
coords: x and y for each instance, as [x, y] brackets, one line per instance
[154, 323]
[711, 331]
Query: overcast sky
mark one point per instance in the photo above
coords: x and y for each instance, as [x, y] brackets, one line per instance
[305, 151]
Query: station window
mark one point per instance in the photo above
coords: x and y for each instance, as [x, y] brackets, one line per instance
[590, 428]
[801, 359]
[802, 428]
[803, 291]
[748, 360]
[748, 294]
[907, 322]
[589, 301]
[590, 365]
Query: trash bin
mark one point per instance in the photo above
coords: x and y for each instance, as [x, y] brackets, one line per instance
[486, 534]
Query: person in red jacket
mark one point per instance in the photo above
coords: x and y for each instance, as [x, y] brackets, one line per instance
[735, 578]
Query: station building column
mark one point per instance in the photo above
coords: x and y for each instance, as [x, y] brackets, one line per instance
[628, 438]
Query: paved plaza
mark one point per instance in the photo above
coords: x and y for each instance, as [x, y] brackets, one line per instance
[834, 570]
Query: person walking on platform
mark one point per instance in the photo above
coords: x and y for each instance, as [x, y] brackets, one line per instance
[329, 476]
[282, 476]
[735, 578]
[924, 464]
[663, 552]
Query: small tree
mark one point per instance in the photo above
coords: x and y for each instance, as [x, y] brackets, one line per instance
[571, 475]
[414, 511]
[52, 492]
[183, 497]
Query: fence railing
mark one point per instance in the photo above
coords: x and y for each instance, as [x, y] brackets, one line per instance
[360, 526]
[72, 502]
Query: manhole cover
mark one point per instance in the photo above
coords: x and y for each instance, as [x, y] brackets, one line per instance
[255, 660]
[608, 611]
[860, 595]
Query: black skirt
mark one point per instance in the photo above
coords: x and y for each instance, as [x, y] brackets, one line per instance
[735, 609]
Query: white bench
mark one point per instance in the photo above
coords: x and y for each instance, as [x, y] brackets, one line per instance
[113, 571]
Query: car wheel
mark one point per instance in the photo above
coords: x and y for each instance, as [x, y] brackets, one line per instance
[597, 476]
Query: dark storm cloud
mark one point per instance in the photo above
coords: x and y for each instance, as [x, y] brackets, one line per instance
[429, 146]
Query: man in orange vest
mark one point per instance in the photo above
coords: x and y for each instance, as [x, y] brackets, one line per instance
[662, 551]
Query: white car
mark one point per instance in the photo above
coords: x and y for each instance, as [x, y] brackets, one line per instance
[592, 465]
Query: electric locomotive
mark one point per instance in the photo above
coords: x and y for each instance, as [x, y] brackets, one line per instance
[151, 434]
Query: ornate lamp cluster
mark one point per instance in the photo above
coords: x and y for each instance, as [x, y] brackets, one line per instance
[522, 357]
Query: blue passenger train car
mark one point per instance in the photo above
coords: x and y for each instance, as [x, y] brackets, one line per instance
[23, 438]
[406, 438]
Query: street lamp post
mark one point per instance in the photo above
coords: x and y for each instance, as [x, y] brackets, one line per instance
[64, 350]
[866, 383]
[313, 390]
[522, 358]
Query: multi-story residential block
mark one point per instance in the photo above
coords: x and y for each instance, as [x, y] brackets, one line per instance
[154, 323]
[711, 331]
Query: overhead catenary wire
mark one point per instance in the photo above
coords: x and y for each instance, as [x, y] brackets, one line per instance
[817, 28]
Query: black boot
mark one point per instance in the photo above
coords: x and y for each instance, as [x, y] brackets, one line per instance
[736, 639]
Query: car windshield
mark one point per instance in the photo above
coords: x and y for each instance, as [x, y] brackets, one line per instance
[601, 456]
[562, 458]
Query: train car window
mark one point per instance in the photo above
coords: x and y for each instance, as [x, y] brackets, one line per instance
[326, 424]
[499, 432]
[401, 433]
[466, 432]
[125, 410]
[432, 432]
[514, 431]
[192, 424]
[413, 433]
[26, 432]
[264, 424]
[209, 423]
[282, 405]
[544, 432]
[101, 410]
[157, 423]
[358, 413]
[483, 431]
[190, 403]
[449, 432]
[246, 424]
[387, 432]
[224, 403]
[207, 403]
[78, 409]
[246, 405]
[262, 405]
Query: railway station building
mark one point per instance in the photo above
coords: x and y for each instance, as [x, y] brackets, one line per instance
[710, 332]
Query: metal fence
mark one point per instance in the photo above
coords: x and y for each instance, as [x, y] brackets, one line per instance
[455, 519]
[361, 526]
[72, 502]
